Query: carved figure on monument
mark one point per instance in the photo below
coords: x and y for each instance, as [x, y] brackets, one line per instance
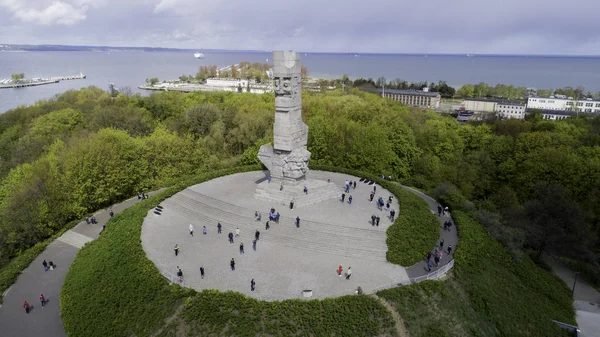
[295, 165]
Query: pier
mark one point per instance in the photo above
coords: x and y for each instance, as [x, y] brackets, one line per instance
[9, 84]
[26, 84]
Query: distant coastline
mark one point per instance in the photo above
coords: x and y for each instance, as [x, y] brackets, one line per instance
[63, 48]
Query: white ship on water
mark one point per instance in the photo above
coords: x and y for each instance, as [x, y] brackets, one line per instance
[199, 55]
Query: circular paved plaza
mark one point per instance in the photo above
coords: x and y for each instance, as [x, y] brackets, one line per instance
[288, 260]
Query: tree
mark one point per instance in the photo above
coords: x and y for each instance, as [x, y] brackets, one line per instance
[152, 81]
[466, 91]
[234, 71]
[555, 222]
[304, 72]
[183, 78]
[18, 77]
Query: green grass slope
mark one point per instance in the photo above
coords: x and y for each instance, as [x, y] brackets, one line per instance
[491, 294]
[112, 289]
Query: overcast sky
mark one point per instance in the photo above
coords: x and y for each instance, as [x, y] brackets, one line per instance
[389, 26]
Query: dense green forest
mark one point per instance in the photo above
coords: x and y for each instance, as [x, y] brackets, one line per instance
[534, 184]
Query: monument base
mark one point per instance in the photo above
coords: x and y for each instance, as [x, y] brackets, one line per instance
[318, 190]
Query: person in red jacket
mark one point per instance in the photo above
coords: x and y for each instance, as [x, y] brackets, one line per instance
[26, 306]
[340, 270]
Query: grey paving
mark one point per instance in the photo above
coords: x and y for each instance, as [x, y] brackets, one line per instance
[586, 298]
[450, 237]
[288, 260]
[34, 281]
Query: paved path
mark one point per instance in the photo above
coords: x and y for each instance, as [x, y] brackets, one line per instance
[586, 298]
[34, 281]
[450, 237]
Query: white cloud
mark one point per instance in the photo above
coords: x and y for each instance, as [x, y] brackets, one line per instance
[46, 13]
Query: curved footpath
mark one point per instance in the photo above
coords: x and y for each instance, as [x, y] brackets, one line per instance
[34, 280]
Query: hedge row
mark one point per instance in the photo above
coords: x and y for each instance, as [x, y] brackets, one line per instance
[414, 232]
[112, 289]
[492, 294]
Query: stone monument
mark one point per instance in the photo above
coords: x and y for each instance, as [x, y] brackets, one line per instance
[287, 159]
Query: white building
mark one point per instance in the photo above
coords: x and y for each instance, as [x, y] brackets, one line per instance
[510, 109]
[501, 107]
[565, 104]
[226, 82]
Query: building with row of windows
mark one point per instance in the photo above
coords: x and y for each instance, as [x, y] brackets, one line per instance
[501, 107]
[586, 105]
[418, 98]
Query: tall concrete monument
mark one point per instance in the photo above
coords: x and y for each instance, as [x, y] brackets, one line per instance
[287, 159]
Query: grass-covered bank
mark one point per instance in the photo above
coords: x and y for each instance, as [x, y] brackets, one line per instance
[414, 232]
[490, 293]
[112, 289]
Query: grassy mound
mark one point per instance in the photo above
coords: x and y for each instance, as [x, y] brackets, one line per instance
[112, 289]
[491, 295]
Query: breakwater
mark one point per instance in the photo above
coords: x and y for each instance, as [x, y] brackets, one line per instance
[8, 84]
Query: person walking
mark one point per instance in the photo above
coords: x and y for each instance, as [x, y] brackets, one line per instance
[42, 300]
[252, 285]
[439, 210]
[176, 249]
[179, 274]
[377, 221]
[191, 230]
[26, 306]
[436, 259]
[429, 266]
[45, 264]
[428, 256]
[267, 226]
[111, 213]
[219, 227]
[392, 215]
[230, 235]
[350, 200]
[237, 231]
[204, 230]
[232, 264]
[87, 220]
[340, 270]
[343, 197]
[441, 244]
[354, 184]
[297, 222]
[202, 272]
[374, 188]
[256, 235]
[254, 245]
[349, 273]
[373, 220]
[371, 196]
[241, 248]
[449, 249]
[305, 190]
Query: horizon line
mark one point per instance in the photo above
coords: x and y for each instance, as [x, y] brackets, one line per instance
[311, 52]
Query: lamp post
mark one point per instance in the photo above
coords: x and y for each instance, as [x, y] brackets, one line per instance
[574, 283]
